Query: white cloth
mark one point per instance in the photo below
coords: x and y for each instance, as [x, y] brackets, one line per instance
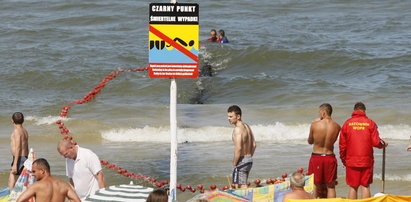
[83, 171]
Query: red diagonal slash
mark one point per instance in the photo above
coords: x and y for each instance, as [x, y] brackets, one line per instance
[173, 43]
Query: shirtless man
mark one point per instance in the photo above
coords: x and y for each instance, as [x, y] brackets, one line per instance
[244, 147]
[19, 148]
[47, 188]
[323, 134]
[297, 183]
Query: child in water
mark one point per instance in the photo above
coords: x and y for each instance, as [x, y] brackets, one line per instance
[221, 37]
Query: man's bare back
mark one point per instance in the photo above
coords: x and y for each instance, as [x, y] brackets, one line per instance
[52, 190]
[19, 141]
[247, 141]
[47, 188]
[298, 194]
[323, 134]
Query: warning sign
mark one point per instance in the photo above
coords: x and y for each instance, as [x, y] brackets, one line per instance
[173, 40]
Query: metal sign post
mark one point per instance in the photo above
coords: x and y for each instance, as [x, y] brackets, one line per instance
[173, 134]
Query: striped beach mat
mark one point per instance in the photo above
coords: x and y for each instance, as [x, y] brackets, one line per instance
[123, 193]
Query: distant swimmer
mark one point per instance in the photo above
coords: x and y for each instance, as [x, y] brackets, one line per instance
[297, 183]
[221, 37]
[244, 147]
[19, 142]
[213, 34]
[47, 188]
[409, 148]
[323, 134]
[358, 136]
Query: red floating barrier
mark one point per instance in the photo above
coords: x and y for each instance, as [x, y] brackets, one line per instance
[188, 187]
[58, 121]
[268, 181]
[179, 186]
[200, 186]
[257, 181]
[193, 190]
[300, 170]
[284, 175]
[213, 186]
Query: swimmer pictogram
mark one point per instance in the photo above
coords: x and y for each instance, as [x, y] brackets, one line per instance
[160, 44]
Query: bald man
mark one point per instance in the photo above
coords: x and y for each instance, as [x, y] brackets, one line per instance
[82, 167]
[297, 183]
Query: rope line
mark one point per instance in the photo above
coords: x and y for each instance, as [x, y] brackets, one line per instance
[124, 172]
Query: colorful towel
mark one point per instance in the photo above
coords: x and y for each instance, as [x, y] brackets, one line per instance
[219, 196]
[270, 193]
[385, 198]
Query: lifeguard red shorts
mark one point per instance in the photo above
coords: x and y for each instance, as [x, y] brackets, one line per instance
[356, 176]
[324, 167]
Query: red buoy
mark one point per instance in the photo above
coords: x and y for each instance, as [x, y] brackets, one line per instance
[300, 170]
[284, 175]
[213, 186]
[257, 181]
[200, 186]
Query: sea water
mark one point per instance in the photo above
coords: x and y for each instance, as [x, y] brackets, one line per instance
[284, 59]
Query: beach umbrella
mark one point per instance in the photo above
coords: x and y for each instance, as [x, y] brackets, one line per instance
[123, 193]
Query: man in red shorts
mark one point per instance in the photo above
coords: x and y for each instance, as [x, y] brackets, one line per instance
[358, 136]
[323, 134]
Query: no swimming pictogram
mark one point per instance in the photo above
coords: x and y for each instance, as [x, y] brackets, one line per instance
[173, 40]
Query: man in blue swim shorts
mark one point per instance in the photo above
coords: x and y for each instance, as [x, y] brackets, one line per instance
[244, 147]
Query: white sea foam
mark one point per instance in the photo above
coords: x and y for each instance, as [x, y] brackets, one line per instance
[48, 120]
[277, 132]
[404, 178]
